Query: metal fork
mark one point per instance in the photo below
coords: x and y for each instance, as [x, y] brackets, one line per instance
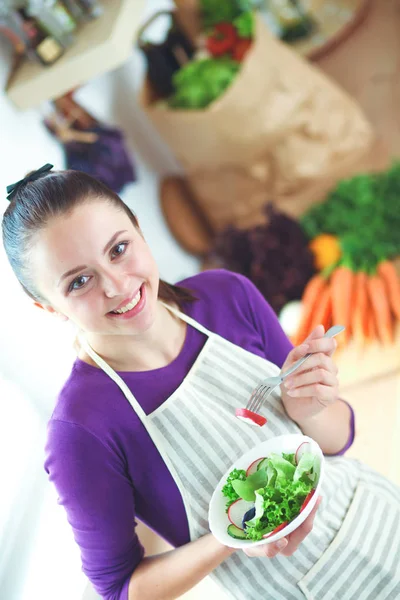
[267, 386]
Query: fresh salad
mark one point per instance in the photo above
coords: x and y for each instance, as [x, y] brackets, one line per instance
[272, 491]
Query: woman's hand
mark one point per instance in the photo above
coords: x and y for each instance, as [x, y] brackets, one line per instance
[314, 385]
[289, 544]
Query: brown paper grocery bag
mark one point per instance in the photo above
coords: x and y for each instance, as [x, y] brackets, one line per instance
[281, 126]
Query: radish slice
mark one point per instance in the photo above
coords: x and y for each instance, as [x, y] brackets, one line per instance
[281, 526]
[307, 500]
[304, 447]
[250, 417]
[253, 467]
[237, 510]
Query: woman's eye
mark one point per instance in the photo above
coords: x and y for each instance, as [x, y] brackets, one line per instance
[119, 249]
[78, 283]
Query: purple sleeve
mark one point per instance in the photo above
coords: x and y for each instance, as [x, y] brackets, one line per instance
[98, 497]
[352, 431]
[276, 343]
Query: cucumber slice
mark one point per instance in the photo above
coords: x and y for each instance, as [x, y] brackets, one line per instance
[236, 533]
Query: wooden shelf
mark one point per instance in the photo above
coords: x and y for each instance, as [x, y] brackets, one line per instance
[101, 45]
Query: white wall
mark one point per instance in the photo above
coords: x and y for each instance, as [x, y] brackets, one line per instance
[40, 558]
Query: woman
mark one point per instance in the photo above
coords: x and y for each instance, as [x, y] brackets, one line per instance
[145, 424]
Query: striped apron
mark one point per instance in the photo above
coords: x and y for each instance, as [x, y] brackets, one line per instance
[353, 551]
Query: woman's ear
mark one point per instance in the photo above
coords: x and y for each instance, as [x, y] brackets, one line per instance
[51, 310]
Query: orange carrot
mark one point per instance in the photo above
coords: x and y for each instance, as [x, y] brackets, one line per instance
[323, 310]
[371, 331]
[361, 310]
[381, 308]
[388, 273]
[310, 299]
[342, 283]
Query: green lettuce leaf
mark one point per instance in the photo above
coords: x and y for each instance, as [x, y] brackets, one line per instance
[246, 489]
[305, 468]
[271, 475]
[280, 504]
[278, 490]
[199, 82]
[259, 506]
[290, 458]
[227, 490]
[284, 469]
[244, 24]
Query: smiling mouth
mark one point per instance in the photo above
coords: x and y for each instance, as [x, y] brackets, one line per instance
[130, 306]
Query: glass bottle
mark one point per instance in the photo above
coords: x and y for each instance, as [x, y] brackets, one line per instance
[91, 7]
[291, 18]
[41, 45]
[75, 10]
[10, 29]
[54, 18]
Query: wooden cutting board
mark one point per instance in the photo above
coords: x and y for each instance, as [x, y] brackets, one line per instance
[356, 366]
[376, 404]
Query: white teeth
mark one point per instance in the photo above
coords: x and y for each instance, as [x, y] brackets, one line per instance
[129, 306]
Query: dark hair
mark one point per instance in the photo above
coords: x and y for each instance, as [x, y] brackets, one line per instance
[54, 194]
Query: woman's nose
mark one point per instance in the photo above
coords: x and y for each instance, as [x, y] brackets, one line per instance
[115, 284]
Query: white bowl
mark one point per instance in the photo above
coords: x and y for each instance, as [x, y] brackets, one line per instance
[217, 516]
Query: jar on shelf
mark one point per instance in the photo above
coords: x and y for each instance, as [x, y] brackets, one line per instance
[75, 10]
[41, 45]
[92, 8]
[10, 29]
[289, 19]
[54, 18]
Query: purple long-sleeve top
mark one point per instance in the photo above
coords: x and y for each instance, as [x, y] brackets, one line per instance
[104, 465]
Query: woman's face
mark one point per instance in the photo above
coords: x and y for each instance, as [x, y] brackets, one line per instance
[94, 268]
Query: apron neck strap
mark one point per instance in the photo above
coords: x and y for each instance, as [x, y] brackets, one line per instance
[102, 364]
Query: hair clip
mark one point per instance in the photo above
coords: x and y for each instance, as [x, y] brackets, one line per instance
[14, 187]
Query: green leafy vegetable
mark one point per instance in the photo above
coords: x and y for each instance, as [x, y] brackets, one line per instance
[290, 458]
[367, 204]
[244, 24]
[305, 467]
[278, 490]
[215, 11]
[259, 506]
[284, 469]
[200, 82]
[227, 490]
[246, 489]
[280, 503]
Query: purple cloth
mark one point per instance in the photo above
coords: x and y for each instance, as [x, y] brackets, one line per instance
[106, 469]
